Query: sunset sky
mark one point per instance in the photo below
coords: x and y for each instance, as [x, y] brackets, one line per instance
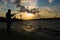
[50, 5]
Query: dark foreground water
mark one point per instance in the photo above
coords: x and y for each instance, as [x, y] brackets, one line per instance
[32, 30]
[51, 24]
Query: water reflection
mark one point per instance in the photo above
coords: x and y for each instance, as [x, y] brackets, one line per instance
[24, 26]
[32, 25]
[28, 28]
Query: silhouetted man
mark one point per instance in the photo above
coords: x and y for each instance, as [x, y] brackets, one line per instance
[8, 19]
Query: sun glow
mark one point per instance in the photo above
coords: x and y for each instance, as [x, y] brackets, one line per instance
[28, 16]
[25, 16]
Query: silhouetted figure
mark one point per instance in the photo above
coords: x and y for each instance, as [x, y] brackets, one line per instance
[8, 20]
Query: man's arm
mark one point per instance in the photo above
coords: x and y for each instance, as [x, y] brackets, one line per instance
[12, 15]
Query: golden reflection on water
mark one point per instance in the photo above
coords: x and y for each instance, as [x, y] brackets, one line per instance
[28, 28]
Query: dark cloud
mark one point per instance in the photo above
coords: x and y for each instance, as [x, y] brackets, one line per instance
[18, 3]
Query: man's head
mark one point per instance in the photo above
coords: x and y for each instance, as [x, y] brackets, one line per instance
[9, 10]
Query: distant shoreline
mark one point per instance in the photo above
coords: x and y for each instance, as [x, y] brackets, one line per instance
[2, 19]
